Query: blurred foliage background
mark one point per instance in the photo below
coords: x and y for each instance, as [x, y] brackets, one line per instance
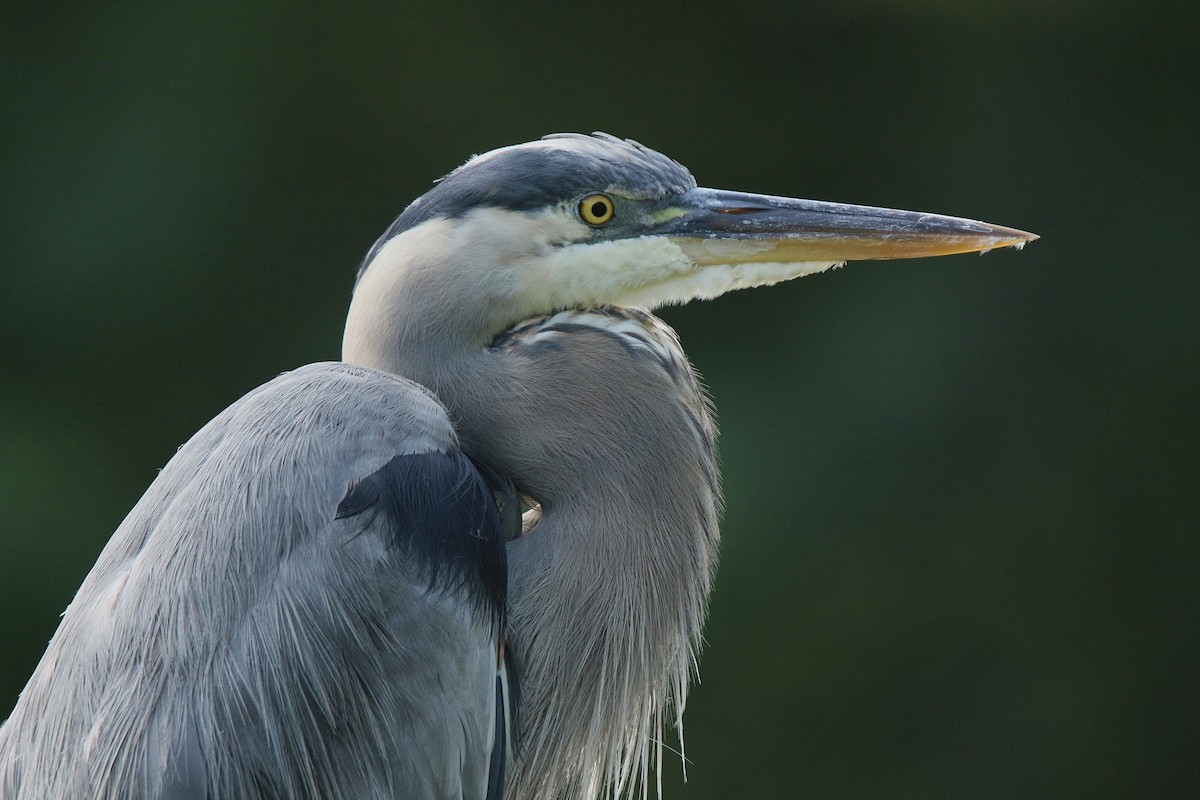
[961, 543]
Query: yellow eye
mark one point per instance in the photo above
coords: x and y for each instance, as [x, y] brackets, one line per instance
[596, 209]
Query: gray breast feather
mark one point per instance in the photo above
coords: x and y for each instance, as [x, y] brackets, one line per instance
[237, 638]
[644, 336]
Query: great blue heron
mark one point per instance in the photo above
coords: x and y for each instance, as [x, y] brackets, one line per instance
[330, 590]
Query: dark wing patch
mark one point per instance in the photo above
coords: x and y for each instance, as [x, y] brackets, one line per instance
[495, 790]
[449, 516]
[508, 701]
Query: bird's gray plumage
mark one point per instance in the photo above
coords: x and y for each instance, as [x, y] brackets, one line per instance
[259, 627]
[328, 593]
[618, 536]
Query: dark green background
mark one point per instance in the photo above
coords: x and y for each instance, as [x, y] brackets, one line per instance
[962, 530]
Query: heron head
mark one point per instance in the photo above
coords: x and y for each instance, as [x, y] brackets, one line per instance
[575, 221]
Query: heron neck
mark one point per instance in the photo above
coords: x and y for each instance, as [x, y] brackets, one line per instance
[608, 593]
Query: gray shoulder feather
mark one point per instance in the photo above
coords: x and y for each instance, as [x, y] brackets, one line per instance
[261, 626]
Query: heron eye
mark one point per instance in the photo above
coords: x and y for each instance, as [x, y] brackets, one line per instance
[596, 209]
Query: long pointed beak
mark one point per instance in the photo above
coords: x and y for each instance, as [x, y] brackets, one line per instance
[717, 227]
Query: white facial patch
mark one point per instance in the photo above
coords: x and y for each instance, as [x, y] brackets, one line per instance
[603, 273]
[714, 280]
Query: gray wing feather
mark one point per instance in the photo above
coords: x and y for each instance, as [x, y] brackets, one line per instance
[238, 639]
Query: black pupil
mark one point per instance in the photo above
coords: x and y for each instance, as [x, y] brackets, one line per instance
[599, 208]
